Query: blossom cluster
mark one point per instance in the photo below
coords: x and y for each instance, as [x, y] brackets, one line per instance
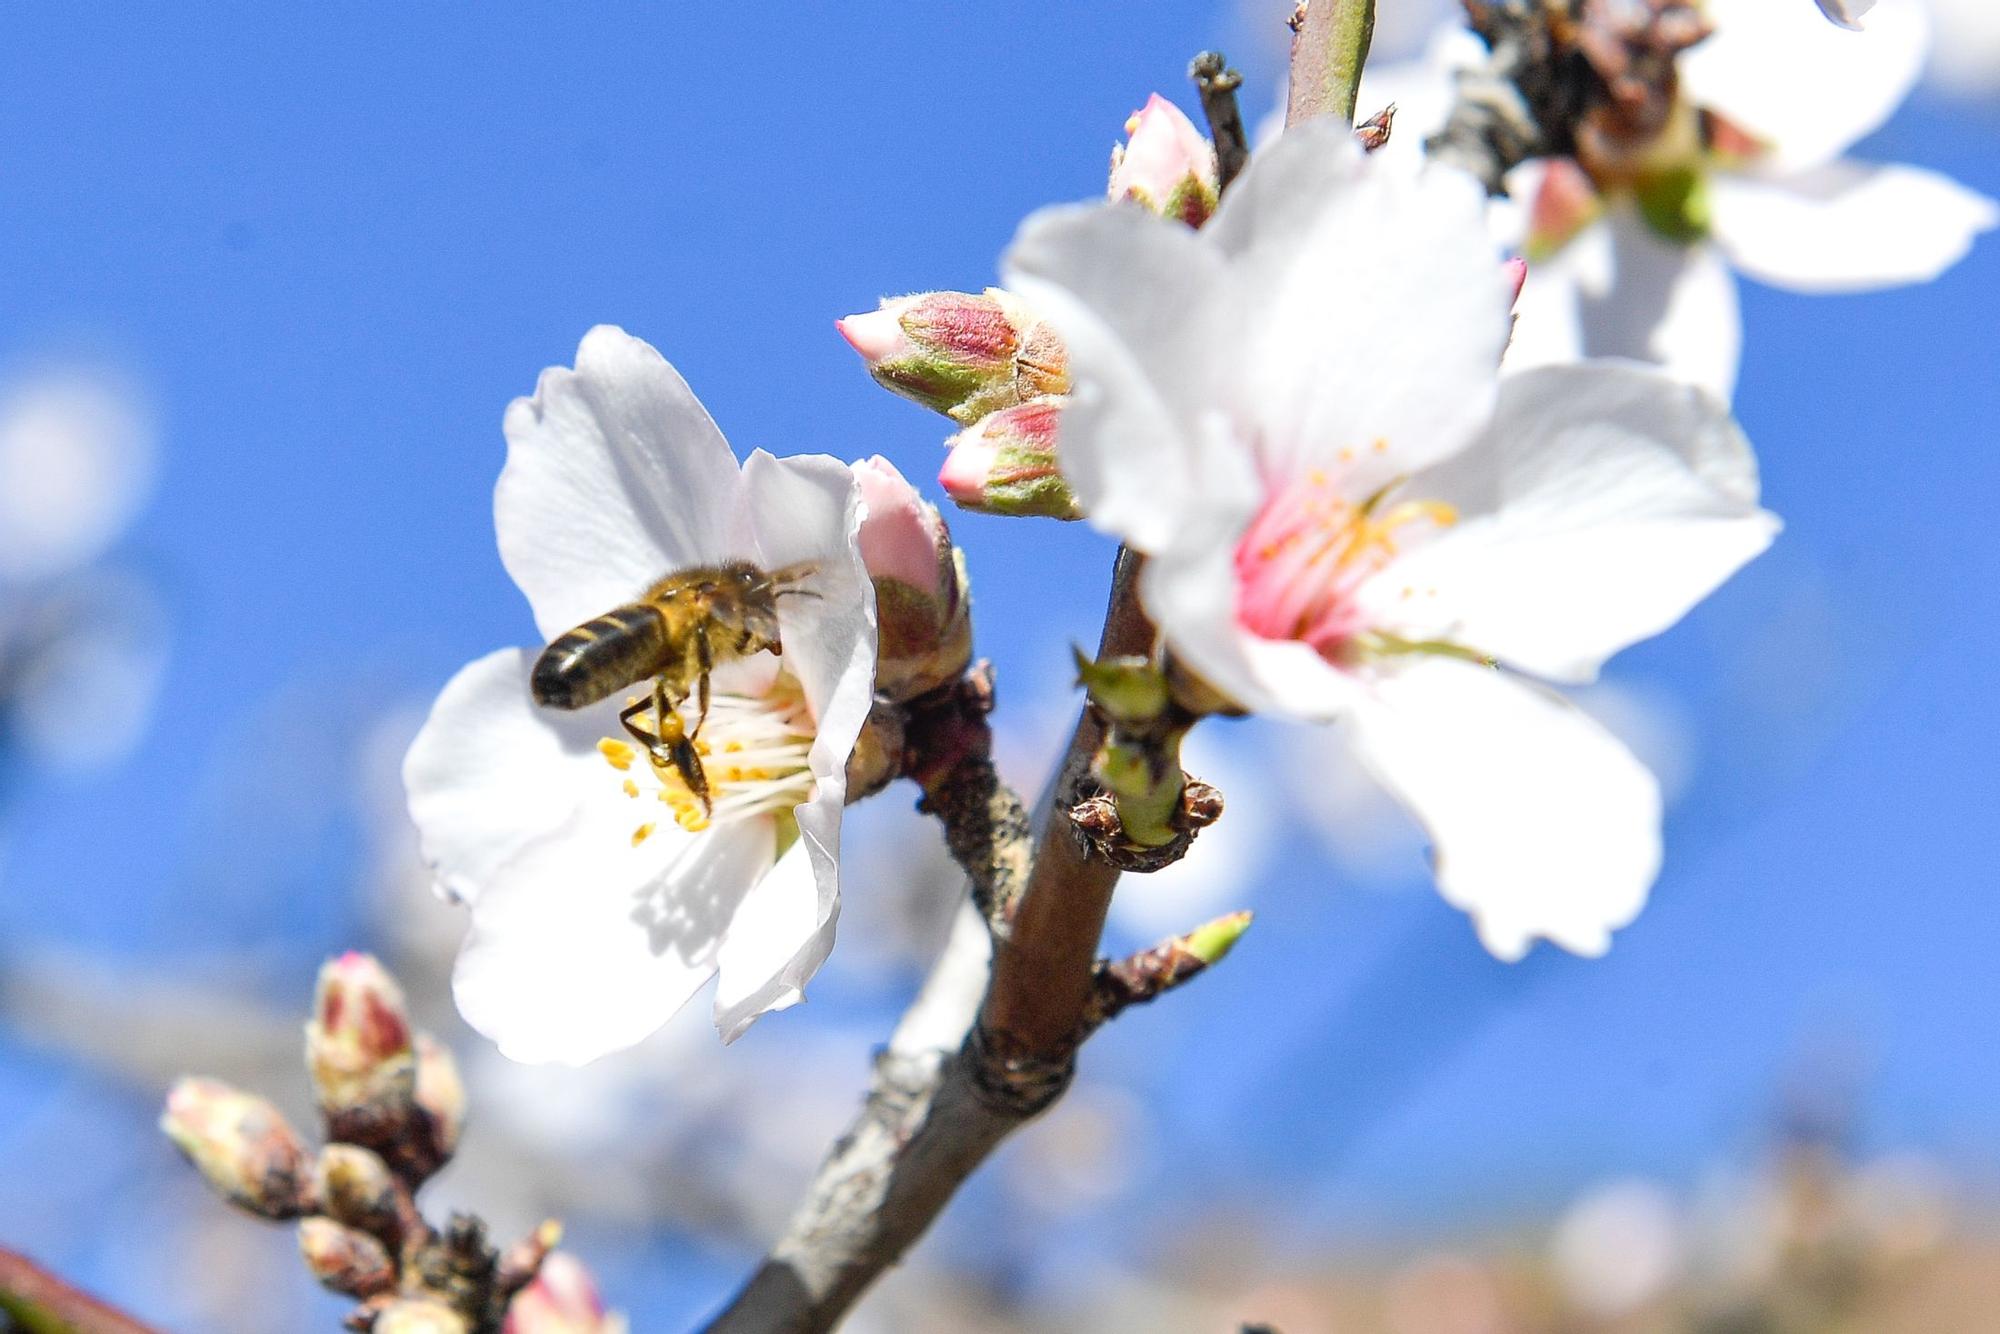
[1376, 484]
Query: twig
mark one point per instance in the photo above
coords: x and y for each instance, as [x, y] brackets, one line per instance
[949, 752]
[1330, 41]
[933, 1116]
[1217, 84]
[44, 1304]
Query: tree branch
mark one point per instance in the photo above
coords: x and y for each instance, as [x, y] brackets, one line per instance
[43, 1304]
[933, 1115]
[1330, 41]
[1217, 84]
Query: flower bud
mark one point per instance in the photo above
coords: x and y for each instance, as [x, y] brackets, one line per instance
[1006, 464]
[957, 353]
[241, 1144]
[358, 1041]
[563, 1299]
[877, 758]
[345, 1259]
[923, 614]
[355, 1187]
[1166, 164]
[419, 1315]
[441, 1094]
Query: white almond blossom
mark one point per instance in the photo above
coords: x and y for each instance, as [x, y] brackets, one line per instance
[1771, 100]
[602, 895]
[1297, 415]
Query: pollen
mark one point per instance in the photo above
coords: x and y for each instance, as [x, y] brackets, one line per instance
[754, 754]
[642, 833]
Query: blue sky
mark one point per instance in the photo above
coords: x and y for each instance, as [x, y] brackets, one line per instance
[332, 246]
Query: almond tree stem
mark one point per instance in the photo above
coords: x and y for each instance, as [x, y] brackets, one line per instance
[933, 1116]
[1329, 46]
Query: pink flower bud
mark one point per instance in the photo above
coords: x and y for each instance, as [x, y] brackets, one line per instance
[358, 1041]
[240, 1144]
[958, 353]
[563, 1299]
[345, 1259]
[922, 612]
[1006, 464]
[1166, 164]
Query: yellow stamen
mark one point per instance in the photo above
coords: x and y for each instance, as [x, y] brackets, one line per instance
[641, 834]
[616, 753]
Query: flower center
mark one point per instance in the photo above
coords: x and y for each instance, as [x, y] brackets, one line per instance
[754, 751]
[1304, 559]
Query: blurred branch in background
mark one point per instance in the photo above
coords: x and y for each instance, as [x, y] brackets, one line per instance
[40, 1303]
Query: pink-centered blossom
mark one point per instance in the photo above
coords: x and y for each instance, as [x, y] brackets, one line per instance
[1297, 414]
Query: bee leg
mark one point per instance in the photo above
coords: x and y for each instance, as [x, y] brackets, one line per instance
[676, 743]
[705, 660]
[650, 740]
[677, 748]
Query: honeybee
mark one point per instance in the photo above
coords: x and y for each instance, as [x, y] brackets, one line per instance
[675, 632]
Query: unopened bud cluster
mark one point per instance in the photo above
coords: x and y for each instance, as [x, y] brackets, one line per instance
[393, 1106]
[994, 366]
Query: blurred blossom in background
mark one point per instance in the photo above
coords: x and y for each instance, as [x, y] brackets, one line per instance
[331, 247]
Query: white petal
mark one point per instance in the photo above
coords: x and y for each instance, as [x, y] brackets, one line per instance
[1374, 307]
[1966, 57]
[1137, 301]
[1191, 593]
[1847, 226]
[1542, 825]
[584, 944]
[1618, 290]
[491, 773]
[615, 477]
[1782, 72]
[1404, 28]
[805, 509]
[783, 930]
[1604, 502]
